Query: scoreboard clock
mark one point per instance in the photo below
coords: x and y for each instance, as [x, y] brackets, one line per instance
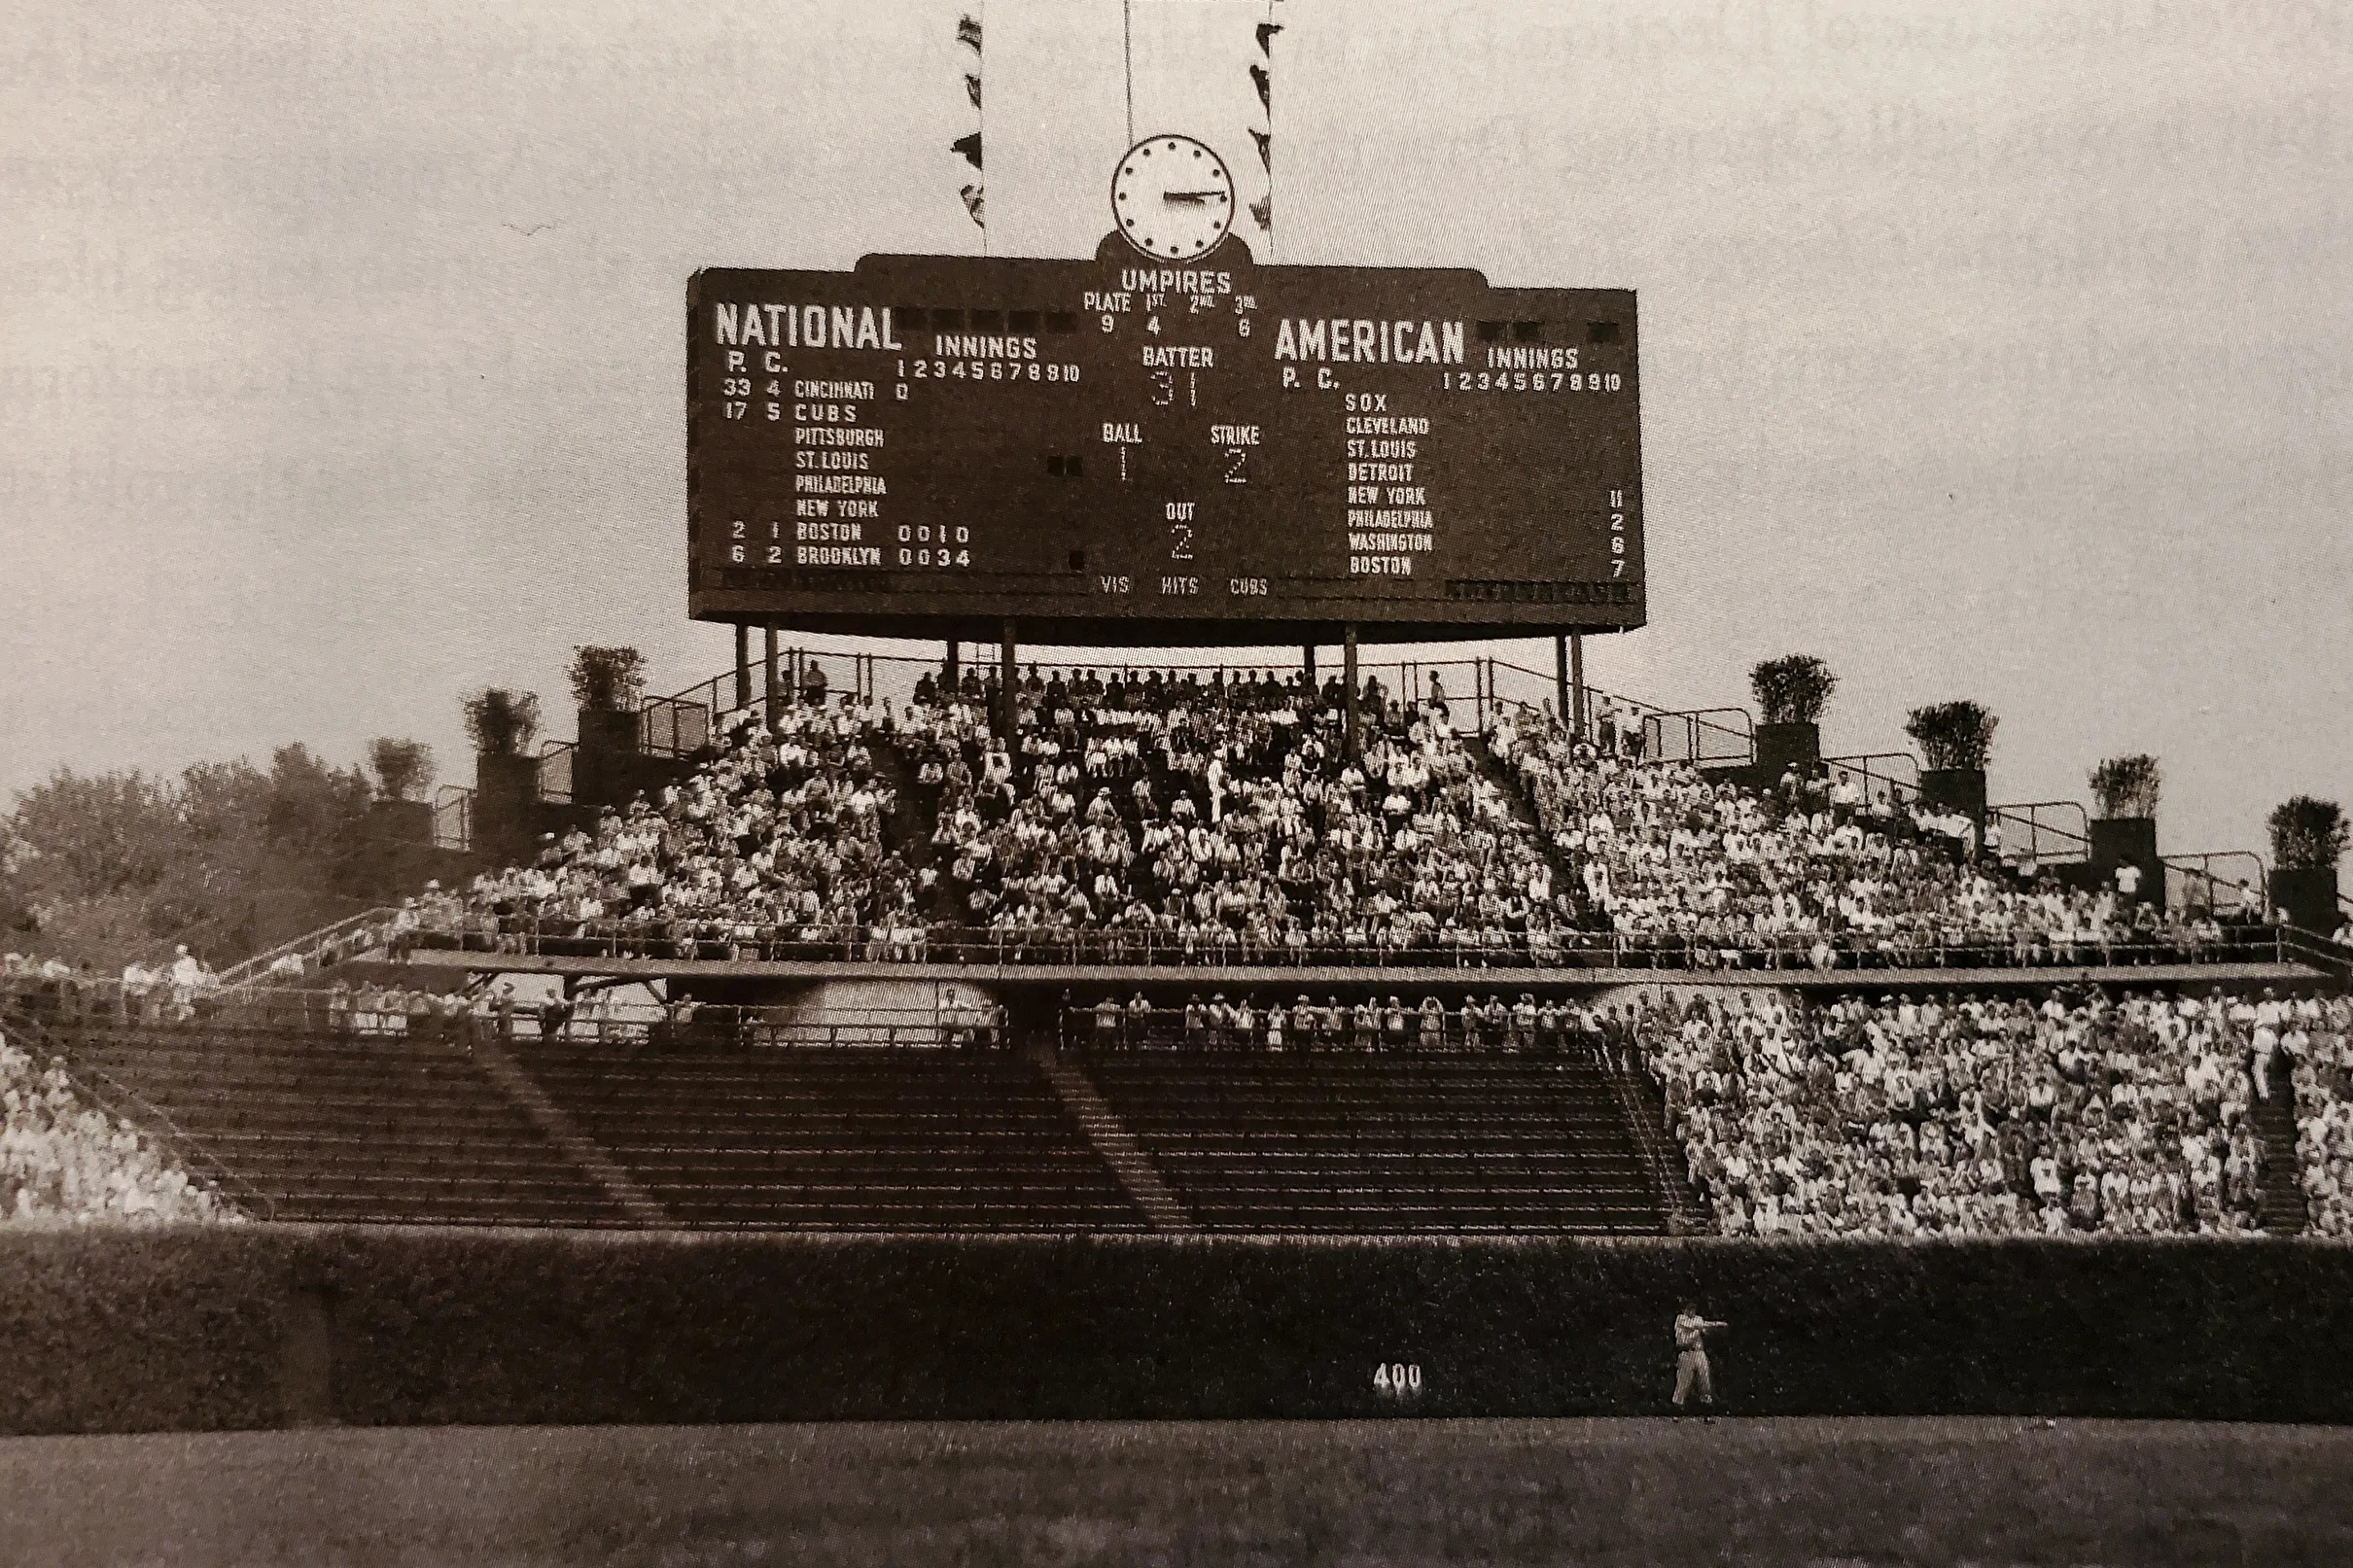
[1167, 445]
[1172, 198]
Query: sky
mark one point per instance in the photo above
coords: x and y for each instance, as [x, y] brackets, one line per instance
[1995, 349]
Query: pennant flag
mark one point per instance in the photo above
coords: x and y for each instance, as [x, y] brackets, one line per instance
[972, 88]
[1266, 90]
[1266, 36]
[1265, 148]
[1263, 209]
[969, 147]
[968, 32]
[971, 196]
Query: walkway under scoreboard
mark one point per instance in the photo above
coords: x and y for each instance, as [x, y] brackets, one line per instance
[1124, 451]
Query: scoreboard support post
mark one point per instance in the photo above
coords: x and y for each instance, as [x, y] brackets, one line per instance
[947, 668]
[1576, 680]
[1008, 709]
[1306, 662]
[1561, 679]
[743, 666]
[1349, 676]
[768, 649]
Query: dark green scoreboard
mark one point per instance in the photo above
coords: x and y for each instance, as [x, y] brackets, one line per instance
[1129, 451]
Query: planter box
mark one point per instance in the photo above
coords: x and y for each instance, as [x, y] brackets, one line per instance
[1783, 747]
[1955, 789]
[2120, 840]
[602, 770]
[506, 798]
[2310, 897]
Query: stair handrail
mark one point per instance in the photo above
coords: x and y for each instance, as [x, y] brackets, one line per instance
[1656, 1144]
[308, 942]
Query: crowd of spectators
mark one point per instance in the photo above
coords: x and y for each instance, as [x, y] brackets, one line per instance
[171, 991]
[1167, 815]
[2318, 1044]
[65, 1161]
[778, 840]
[1816, 873]
[1601, 1034]
[1964, 1115]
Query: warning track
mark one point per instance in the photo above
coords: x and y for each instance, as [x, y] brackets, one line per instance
[1992, 1491]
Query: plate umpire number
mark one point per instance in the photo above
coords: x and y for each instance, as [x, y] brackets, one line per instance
[1397, 1380]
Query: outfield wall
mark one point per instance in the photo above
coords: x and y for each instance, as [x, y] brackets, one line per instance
[267, 1326]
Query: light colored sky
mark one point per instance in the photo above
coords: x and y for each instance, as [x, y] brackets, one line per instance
[1990, 349]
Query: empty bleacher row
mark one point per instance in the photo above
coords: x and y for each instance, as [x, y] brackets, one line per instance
[328, 1127]
[837, 1139]
[1385, 1144]
[334, 1126]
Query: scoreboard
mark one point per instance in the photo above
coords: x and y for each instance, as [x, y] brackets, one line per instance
[1153, 452]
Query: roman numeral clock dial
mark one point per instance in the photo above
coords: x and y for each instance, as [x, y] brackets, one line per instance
[1173, 199]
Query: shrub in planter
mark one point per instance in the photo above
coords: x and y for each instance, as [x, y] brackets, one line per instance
[502, 723]
[403, 769]
[2307, 835]
[1792, 690]
[608, 680]
[2127, 786]
[1953, 736]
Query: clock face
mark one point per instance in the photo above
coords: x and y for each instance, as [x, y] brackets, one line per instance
[1172, 197]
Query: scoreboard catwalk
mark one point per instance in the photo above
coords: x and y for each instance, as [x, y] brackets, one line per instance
[1141, 452]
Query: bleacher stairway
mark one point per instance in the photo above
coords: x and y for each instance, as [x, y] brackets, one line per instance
[2284, 1208]
[1508, 783]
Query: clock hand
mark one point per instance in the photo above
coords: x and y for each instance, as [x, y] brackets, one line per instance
[1195, 198]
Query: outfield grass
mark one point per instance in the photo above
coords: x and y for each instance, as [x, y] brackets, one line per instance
[1811, 1491]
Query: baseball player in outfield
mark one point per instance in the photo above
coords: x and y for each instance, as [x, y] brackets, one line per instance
[1691, 1357]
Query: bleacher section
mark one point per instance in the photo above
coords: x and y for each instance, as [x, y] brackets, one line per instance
[1385, 1144]
[848, 1139]
[329, 1128]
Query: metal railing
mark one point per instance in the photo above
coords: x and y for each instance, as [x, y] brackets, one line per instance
[2223, 881]
[1469, 685]
[1892, 776]
[308, 946]
[2238, 942]
[2321, 953]
[1309, 1026]
[457, 1018]
[674, 726]
[2040, 830]
[1706, 737]
[453, 818]
[556, 759]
